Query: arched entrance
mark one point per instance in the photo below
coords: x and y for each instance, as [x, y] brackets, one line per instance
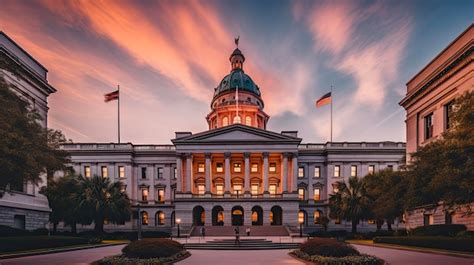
[199, 216]
[237, 215]
[257, 215]
[276, 215]
[217, 216]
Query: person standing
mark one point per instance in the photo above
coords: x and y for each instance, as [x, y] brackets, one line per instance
[247, 230]
[237, 235]
[203, 232]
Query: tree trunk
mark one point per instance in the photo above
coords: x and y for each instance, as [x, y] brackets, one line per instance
[354, 226]
[55, 227]
[389, 225]
[379, 223]
[74, 228]
[99, 226]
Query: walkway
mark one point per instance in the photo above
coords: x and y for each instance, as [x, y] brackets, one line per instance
[239, 257]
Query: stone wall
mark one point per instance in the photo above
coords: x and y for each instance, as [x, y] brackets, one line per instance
[33, 219]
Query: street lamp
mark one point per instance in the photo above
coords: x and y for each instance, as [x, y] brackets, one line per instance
[139, 225]
[301, 222]
[178, 221]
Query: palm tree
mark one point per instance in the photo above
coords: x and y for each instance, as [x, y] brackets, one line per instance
[101, 199]
[350, 202]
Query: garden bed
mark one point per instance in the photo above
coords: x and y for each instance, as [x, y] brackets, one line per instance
[438, 242]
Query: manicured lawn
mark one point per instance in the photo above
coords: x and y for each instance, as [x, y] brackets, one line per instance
[25, 243]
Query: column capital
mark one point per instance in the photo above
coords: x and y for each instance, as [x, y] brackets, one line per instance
[207, 155]
[246, 154]
[265, 154]
[294, 154]
[188, 155]
[286, 154]
[227, 154]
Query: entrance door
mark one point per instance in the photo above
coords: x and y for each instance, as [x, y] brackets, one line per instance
[237, 216]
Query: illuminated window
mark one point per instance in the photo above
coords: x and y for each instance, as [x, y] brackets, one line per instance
[201, 189]
[105, 171]
[428, 219]
[317, 172]
[390, 167]
[300, 172]
[225, 121]
[219, 189]
[317, 194]
[448, 115]
[301, 195]
[335, 189]
[237, 189]
[145, 194]
[87, 171]
[121, 172]
[272, 189]
[159, 173]
[254, 189]
[237, 167]
[219, 167]
[272, 167]
[220, 217]
[254, 168]
[123, 188]
[161, 195]
[160, 218]
[201, 168]
[175, 173]
[317, 216]
[144, 218]
[236, 119]
[337, 171]
[143, 172]
[271, 217]
[337, 221]
[254, 217]
[248, 121]
[371, 221]
[371, 169]
[301, 217]
[353, 171]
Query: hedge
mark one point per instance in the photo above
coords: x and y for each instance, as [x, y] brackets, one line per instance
[328, 248]
[348, 260]
[439, 230]
[122, 260]
[367, 235]
[448, 243]
[152, 248]
[9, 244]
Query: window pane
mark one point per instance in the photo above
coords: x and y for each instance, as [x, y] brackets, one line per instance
[371, 169]
[87, 171]
[219, 167]
[121, 171]
[105, 172]
[201, 168]
[301, 196]
[353, 171]
[254, 189]
[317, 194]
[301, 172]
[272, 167]
[317, 172]
[337, 170]
[254, 167]
[237, 167]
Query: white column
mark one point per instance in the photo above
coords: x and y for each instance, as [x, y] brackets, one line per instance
[265, 172]
[208, 173]
[189, 171]
[247, 172]
[295, 172]
[285, 173]
[227, 172]
[179, 174]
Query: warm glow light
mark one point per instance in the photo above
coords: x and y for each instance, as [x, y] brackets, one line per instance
[178, 221]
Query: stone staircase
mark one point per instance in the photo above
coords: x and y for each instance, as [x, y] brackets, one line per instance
[266, 230]
[244, 244]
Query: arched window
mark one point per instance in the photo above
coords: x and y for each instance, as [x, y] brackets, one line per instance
[160, 218]
[144, 218]
[317, 216]
[225, 121]
[301, 217]
[237, 119]
[248, 121]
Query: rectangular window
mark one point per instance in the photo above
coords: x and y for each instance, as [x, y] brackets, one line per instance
[272, 189]
[337, 171]
[237, 167]
[448, 115]
[427, 219]
[272, 168]
[104, 171]
[219, 167]
[220, 189]
[121, 171]
[317, 194]
[144, 195]
[87, 171]
[353, 171]
[254, 168]
[371, 169]
[254, 189]
[175, 173]
[143, 172]
[201, 189]
[161, 195]
[301, 172]
[301, 195]
[201, 168]
[317, 172]
[159, 173]
[237, 189]
[428, 126]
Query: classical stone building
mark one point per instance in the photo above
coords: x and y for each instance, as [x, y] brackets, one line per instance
[24, 207]
[237, 172]
[428, 103]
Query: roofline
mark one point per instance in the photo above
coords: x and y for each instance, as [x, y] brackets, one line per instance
[23, 50]
[439, 54]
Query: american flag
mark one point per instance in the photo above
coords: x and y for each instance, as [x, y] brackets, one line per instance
[111, 96]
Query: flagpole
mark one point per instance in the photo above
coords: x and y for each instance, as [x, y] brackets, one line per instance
[332, 100]
[118, 113]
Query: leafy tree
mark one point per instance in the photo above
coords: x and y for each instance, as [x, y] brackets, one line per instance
[442, 171]
[350, 202]
[101, 199]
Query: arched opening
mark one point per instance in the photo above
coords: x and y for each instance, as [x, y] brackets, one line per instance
[225, 121]
[276, 215]
[159, 218]
[199, 216]
[302, 217]
[248, 121]
[237, 119]
[144, 217]
[218, 216]
[317, 216]
[237, 215]
[257, 215]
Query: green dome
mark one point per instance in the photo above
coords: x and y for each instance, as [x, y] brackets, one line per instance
[237, 78]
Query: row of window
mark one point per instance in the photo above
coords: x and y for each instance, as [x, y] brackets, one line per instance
[237, 119]
[237, 189]
[160, 195]
[104, 170]
[337, 171]
[316, 195]
[237, 167]
[428, 120]
[159, 218]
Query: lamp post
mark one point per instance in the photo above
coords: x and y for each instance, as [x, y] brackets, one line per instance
[139, 224]
[178, 221]
[301, 221]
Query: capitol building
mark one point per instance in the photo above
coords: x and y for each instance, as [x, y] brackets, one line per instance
[237, 173]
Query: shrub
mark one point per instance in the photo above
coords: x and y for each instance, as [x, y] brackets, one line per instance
[8, 244]
[7, 231]
[335, 233]
[125, 235]
[439, 230]
[468, 234]
[122, 260]
[152, 248]
[328, 248]
[449, 243]
[353, 260]
[40, 232]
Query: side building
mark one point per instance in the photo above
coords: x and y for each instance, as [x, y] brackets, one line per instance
[237, 173]
[24, 207]
[428, 104]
